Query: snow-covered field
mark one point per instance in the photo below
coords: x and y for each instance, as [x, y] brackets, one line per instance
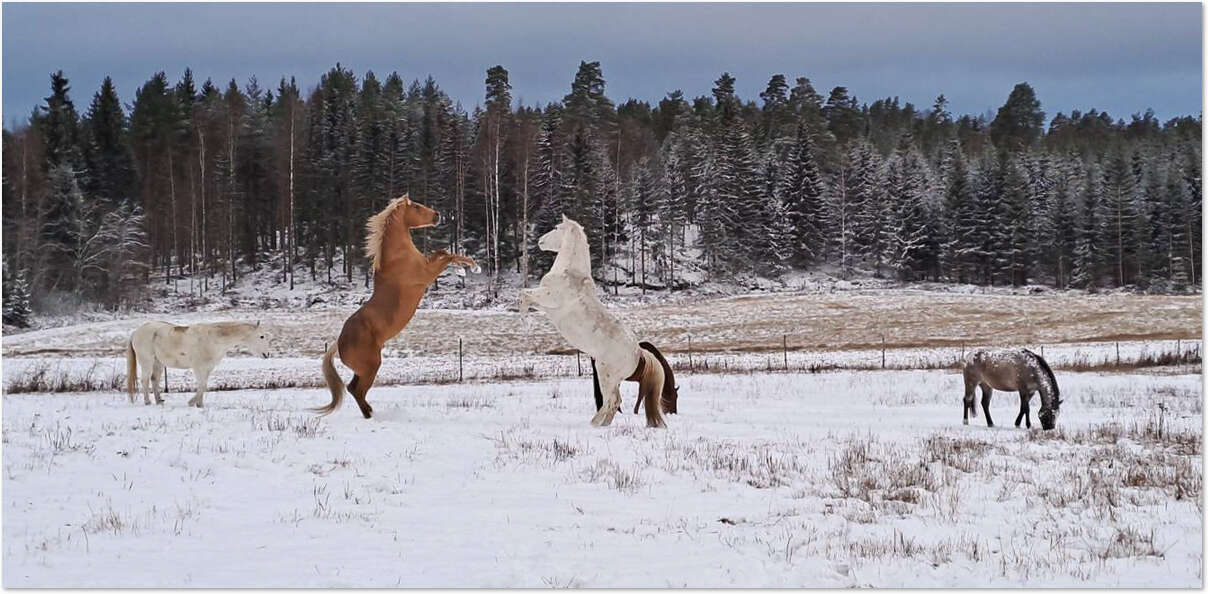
[834, 479]
[845, 320]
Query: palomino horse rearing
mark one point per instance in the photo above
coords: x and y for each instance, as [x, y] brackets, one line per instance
[568, 296]
[1016, 370]
[157, 346]
[401, 275]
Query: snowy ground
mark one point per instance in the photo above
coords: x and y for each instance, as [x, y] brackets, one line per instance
[834, 479]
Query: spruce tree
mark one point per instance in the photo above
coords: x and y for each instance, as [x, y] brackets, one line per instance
[802, 194]
[16, 298]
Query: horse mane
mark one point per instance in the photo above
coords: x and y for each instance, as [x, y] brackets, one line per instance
[375, 229]
[1044, 366]
[226, 329]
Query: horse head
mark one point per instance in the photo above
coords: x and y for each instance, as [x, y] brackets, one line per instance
[258, 341]
[556, 238]
[416, 215]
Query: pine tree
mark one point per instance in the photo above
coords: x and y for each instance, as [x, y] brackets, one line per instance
[550, 189]
[843, 208]
[802, 194]
[875, 210]
[1088, 253]
[960, 217]
[1121, 228]
[1016, 221]
[109, 160]
[16, 298]
[1019, 121]
[909, 226]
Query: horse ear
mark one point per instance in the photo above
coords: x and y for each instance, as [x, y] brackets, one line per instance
[407, 198]
[564, 219]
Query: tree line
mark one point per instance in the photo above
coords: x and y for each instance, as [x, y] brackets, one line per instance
[204, 183]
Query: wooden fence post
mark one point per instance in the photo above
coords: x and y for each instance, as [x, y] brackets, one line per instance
[578, 362]
[785, 344]
[460, 375]
[882, 351]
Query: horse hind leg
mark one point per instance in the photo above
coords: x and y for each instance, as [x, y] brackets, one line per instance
[650, 389]
[359, 386]
[610, 386]
[969, 403]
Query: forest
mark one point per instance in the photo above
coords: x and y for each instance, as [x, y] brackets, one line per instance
[208, 181]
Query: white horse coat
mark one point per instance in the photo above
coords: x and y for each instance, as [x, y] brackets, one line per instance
[568, 296]
[156, 346]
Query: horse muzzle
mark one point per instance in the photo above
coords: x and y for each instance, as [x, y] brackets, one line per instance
[1048, 419]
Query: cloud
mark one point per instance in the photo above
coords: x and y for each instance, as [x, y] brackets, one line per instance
[1118, 57]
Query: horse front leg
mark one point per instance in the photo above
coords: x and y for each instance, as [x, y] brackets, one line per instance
[203, 378]
[161, 370]
[439, 261]
[541, 297]
[1024, 412]
[986, 392]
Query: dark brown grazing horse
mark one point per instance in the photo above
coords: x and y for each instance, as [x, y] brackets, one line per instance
[670, 395]
[401, 275]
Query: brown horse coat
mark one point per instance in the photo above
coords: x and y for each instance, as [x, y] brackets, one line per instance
[401, 277]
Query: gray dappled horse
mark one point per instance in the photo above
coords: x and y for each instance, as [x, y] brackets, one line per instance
[1016, 370]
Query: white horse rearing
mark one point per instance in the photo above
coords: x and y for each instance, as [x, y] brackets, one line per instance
[568, 296]
[159, 345]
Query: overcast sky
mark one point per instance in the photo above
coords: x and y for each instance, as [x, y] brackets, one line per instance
[1122, 58]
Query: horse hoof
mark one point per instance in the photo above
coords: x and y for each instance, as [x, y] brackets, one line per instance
[966, 421]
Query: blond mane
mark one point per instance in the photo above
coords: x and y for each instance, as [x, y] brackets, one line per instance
[375, 229]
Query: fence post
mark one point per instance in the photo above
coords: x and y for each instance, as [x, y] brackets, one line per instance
[578, 362]
[1117, 353]
[785, 344]
[459, 365]
[1042, 351]
[882, 351]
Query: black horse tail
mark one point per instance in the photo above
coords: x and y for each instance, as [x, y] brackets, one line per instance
[595, 381]
[670, 394]
[1044, 366]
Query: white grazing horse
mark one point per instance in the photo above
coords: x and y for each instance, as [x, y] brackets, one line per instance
[158, 345]
[568, 296]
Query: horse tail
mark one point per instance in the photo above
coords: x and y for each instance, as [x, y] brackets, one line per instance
[1044, 366]
[595, 380]
[670, 394]
[131, 369]
[334, 383]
